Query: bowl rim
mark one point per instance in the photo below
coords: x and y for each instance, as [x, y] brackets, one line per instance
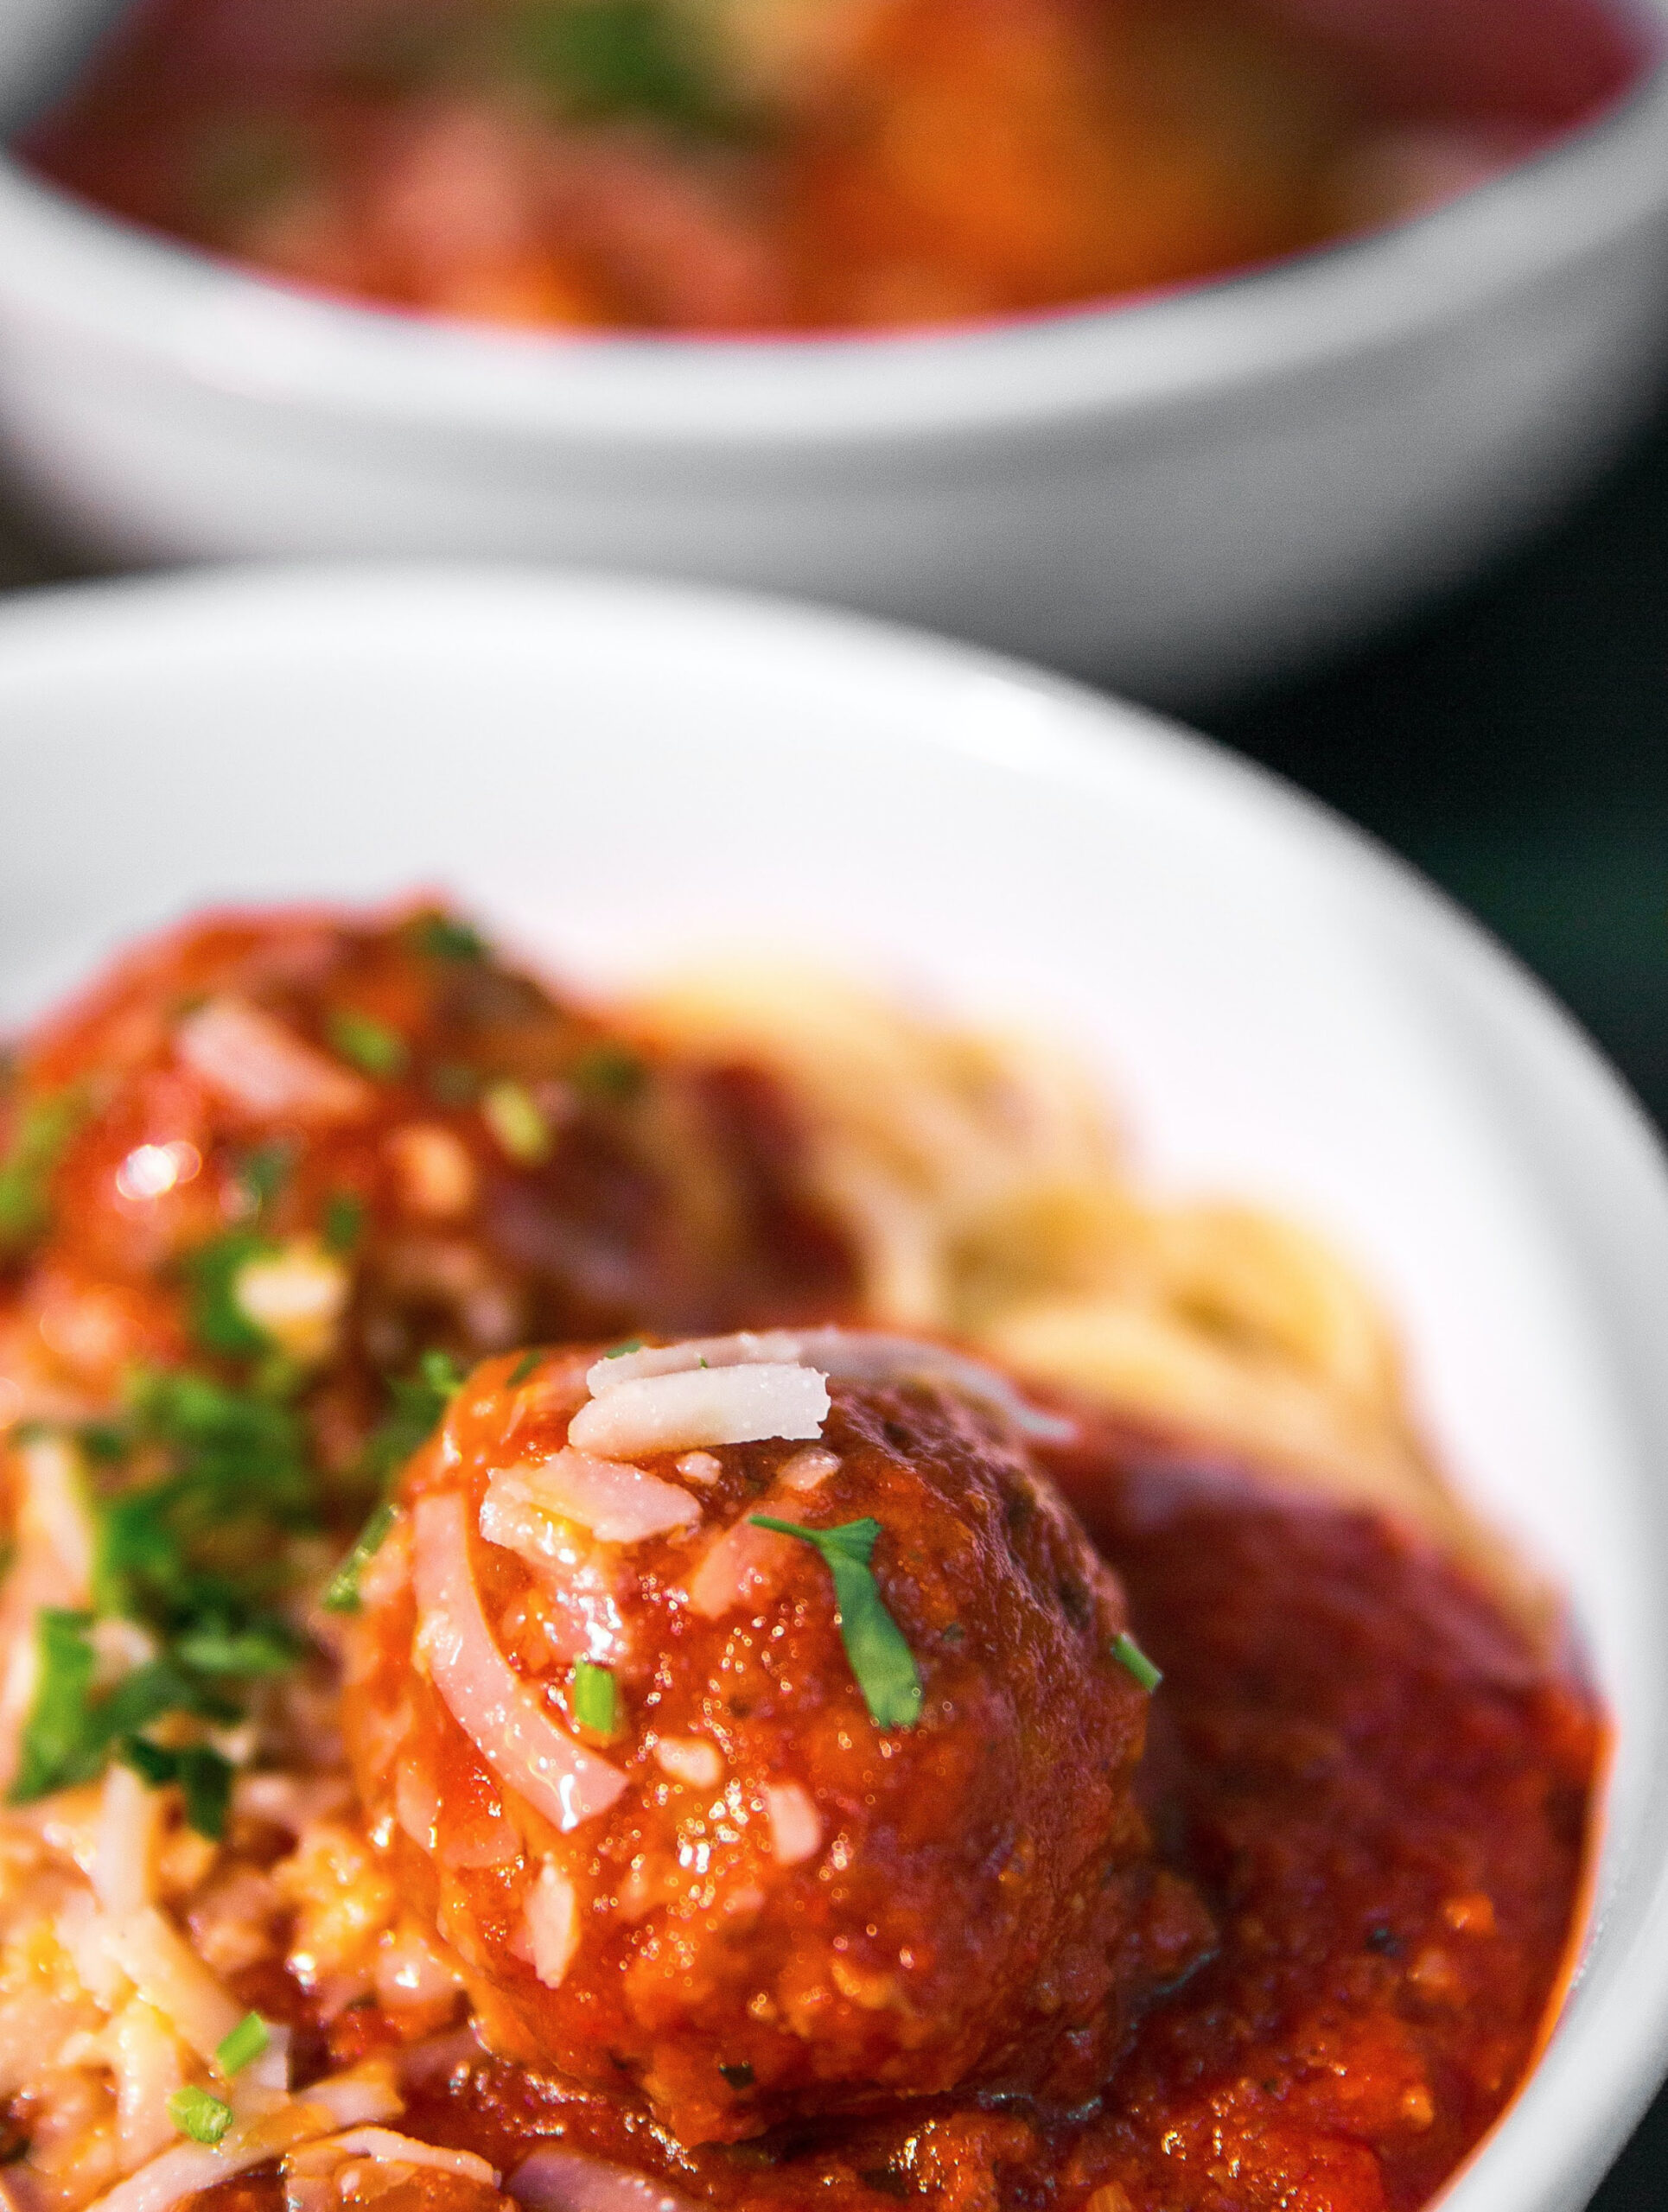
[1597, 2071]
[73, 276]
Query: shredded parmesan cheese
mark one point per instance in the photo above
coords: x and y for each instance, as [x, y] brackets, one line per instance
[274, 2125]
[796, 1825]
[768, 1348]
[254, 1062]
[691, 1760]
[388, 2147]
[808, 1470]
[853, 1355]
[124, 1854]
[488, 1699]
[168, 1973]
[145, 2057]
[694, 1408]
[552, 1917]
[619, 1503]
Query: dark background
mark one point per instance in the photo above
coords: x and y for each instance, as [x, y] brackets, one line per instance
[1513, 742]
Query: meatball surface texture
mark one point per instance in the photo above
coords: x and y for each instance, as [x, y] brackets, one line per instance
[613, 1736]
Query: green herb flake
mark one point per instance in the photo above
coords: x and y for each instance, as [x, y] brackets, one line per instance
[881, 1659]
[442, 1374]
[195, 2112]
[59, 1742]
[341, 1593]
[442, 937]
[42, 1132]
[195, 1552]
[203, 1776]
[599, 60]
[372, 1046]
[527, 1366]
[205, 1787]
[154, 1766]
[244, 2045]
[344, 1222]
[622, 1351]
[594, 1699]
[260, 1648]
[1131, 1656]
[511, 1113]
[610, 1075]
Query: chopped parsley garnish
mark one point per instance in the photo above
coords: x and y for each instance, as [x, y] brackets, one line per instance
[443, 936]
[1131, 1656]
[205, 1779]
[610, 1074]
[267, 1648]
[620, 1351]
[370, 1044]
[595, 1701]
[881, 1660]
[511, 1113]
[341, 1593]
[243, 2046]
[600, 60]
[43, 1130]
[197, 2113]
[54, 1751]
[442, 1375]
[198, 1487]
[344, 1222]
[527, 1366]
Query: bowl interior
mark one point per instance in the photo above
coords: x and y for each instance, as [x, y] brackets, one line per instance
[624, 776]
[65, 266]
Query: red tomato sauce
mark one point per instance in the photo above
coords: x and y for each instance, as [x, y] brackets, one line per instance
[844, 164]
[1382, 1790]
[1378, 1783]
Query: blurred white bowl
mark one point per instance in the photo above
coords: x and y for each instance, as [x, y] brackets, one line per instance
[1176, 495]
[618, 772]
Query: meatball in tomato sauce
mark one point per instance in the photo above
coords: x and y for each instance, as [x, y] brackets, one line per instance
[757, 1727]
[346, 1139]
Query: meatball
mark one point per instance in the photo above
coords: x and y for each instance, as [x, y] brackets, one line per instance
[743, 1824]
[410, 1145]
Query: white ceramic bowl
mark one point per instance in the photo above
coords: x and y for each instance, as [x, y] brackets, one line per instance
[1175, 495]
[619, 771]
